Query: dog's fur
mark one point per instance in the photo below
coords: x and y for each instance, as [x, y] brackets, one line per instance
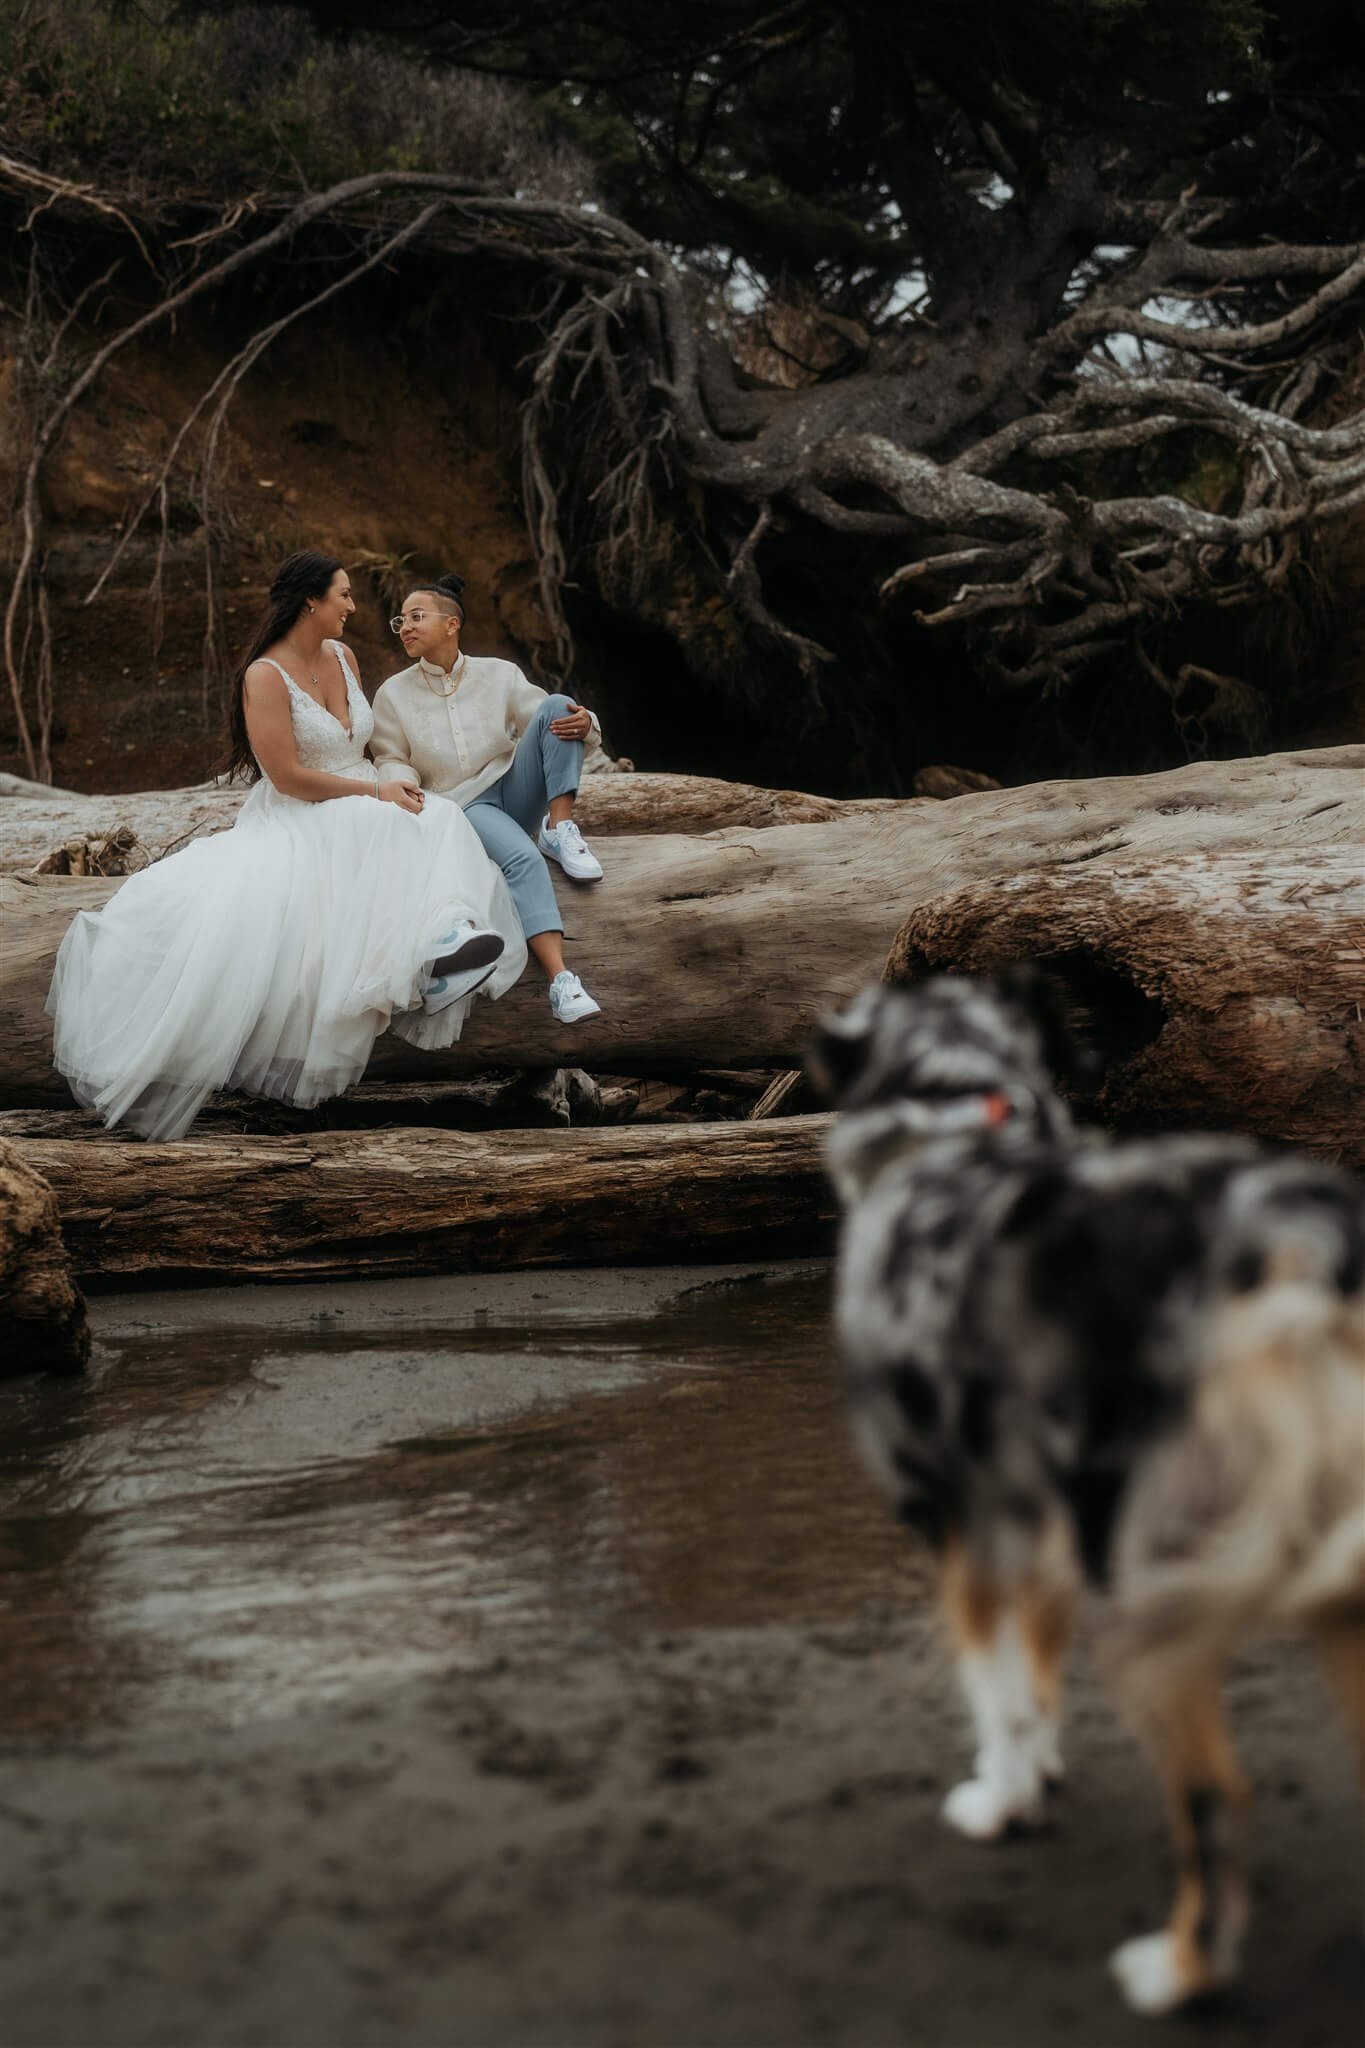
[1138, 1363]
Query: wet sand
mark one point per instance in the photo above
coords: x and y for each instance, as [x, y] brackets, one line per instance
[525, 1661]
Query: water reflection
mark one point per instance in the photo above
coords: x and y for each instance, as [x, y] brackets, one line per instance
[222, 1527]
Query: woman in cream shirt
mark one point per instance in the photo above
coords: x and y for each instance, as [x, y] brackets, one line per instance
[472, 728]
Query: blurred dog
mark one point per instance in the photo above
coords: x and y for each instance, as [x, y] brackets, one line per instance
[1139, 1363]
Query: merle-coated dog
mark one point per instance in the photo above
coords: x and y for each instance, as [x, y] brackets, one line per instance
[1140, 1363]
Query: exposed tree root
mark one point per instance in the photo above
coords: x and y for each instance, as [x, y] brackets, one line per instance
[635, 399]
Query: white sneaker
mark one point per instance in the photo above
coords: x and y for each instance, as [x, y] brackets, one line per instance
[567, 845]
[570, 1001]
[465, 946]
[464, 961]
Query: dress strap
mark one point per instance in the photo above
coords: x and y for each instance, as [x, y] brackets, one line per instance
[338, 648]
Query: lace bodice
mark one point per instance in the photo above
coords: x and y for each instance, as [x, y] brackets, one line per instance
[320, 738]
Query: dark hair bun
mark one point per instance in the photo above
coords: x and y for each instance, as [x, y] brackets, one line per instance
[452, 585]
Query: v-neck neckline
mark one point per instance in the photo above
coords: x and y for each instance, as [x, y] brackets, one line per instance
[325, 709]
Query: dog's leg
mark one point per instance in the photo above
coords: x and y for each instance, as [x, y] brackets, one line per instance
[994, 1667]
[1179, 1711]
[1045, 1618]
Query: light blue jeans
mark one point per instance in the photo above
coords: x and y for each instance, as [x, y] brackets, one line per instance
[506, 816]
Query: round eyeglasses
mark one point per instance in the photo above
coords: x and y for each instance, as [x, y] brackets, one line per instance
[407, 619]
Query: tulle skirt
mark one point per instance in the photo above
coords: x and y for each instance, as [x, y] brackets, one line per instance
[270, 957]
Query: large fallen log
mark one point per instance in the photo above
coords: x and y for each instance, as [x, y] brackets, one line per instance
[1223, 990]
[723, 950]
[350, 1203]
[36, 824]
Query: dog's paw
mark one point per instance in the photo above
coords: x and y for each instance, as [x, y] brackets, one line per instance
[977, 1810]
[1150, 1975]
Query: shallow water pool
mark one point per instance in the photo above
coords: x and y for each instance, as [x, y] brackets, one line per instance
[264, 1499]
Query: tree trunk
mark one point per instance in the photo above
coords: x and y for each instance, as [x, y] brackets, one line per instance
[349, 1203]
[1224, 990]
[723, 951]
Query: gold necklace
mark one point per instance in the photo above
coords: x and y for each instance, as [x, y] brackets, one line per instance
[455, 669]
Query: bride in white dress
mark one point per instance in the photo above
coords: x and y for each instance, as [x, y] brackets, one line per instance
[270, 957]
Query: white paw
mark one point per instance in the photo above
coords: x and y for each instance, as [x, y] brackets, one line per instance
[1149, 1974]
[977, 1810]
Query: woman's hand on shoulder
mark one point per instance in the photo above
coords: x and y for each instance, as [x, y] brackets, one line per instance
[409, 796]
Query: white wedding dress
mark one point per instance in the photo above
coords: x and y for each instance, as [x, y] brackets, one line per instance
[270, 957]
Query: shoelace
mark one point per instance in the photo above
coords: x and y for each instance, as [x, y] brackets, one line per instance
[569, 836]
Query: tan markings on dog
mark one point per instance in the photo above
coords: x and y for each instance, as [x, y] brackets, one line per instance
[971, 1601]
[1208, 1797]
[1045, 1614]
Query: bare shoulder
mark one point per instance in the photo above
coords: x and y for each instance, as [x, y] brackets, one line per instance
[263, 681]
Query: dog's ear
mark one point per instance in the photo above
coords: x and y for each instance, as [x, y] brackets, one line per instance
[838, 1052]
[1025, 985]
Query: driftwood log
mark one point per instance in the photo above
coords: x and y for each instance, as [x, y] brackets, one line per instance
[721, 951]
[350, 1204]
[1224, 990]
[534, 1098]
[35, 822]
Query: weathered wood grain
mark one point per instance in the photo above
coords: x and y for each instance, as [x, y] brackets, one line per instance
[347, 1204]
[34, 823]
[723, 950]
[1226, 988]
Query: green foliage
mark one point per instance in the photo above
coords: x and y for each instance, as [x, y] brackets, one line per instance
[250, 98]
[835, 143]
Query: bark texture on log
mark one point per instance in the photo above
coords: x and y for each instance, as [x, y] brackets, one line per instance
[723, 951]
[1223, 991]
[38, 825]
[346, 1204]
[42, 1314]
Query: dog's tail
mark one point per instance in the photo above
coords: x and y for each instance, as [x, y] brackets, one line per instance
[1288, 1268]
[1282, 1399]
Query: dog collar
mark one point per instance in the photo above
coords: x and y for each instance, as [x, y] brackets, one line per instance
[958, 1115]
[972, 1113]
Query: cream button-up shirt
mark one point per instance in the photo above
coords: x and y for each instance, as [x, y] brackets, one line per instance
[456, 733]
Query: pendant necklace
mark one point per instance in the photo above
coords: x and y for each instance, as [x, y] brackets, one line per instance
[313, 678]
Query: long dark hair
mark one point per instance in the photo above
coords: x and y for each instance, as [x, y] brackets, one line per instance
[303, 576]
